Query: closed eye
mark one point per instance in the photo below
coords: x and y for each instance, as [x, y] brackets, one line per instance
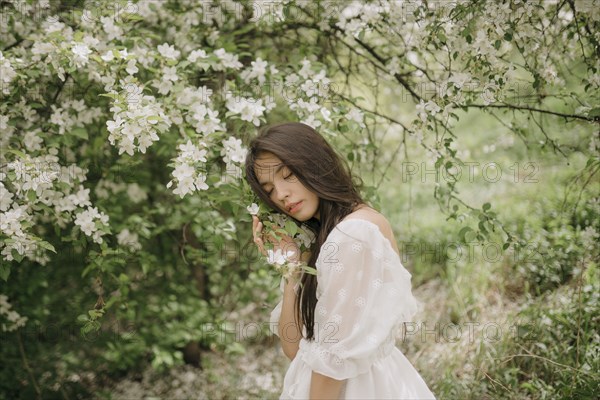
[285, 177]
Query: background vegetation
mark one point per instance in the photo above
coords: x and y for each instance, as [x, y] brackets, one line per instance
[127, 268]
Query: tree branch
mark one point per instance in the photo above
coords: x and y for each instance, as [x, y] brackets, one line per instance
[539, 110]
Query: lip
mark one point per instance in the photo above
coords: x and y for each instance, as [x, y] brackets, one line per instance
[293, 207]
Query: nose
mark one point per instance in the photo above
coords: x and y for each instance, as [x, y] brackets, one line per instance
[282, 190]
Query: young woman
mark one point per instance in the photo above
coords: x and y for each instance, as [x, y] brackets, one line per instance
[337, 327]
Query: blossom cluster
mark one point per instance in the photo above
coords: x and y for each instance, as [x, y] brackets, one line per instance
[136, 117]
[195, 104]
[234, 154]
[14, 319]
[249, 109]
[282, 262]
[129, 239]
[187, 172]
[358, 17]
[73, 113]
[31, 182]
[89, 220]
[313, 86]
[7, 74]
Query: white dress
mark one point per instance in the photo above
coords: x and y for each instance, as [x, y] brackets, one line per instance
[363, 296]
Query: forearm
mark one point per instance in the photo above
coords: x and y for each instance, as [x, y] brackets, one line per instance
[289, 331]
[324, 387]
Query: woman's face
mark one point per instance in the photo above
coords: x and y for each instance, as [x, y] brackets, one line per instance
[285, 189]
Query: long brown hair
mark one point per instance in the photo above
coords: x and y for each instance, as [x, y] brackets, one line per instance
[321, 170]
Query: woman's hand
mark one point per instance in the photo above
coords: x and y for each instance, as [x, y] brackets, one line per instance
[286, 243]
[288, 330]
[257, 233]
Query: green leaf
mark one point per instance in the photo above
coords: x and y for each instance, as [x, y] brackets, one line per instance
[4, 271]
[482, 227]
[309, 270]
[463, 232]
[111, 95]
[594, 112]
[486, 206]
[19, 153]
[132, 17]
[31, 195]
[78, 36]
[291, 227]
[80, 133]
[123, 278]
[46, 246]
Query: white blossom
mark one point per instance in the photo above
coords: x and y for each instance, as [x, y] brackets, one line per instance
[187, 172]
[204, 119]
[5, 198]
[168, 51]
[278, 257]
[15, 319]
[129, 239]
[137, 117]
[7, 74]
[249, 109]
[112, 31]
[257, 71]
[228, 60]
[81, 52]
[253, 209]
[233, 150]
[131, 67]
[357, 116]
[196, 54]
[192, 152]
[87, 219]
[135, 193]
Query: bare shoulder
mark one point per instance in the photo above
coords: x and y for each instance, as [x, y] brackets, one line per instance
[371, 215]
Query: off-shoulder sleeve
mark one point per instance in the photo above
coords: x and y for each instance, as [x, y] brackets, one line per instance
[363, 295]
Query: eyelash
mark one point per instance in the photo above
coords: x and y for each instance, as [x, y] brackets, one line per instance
[285, 177]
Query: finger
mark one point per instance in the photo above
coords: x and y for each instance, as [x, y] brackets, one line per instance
[256, 228]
